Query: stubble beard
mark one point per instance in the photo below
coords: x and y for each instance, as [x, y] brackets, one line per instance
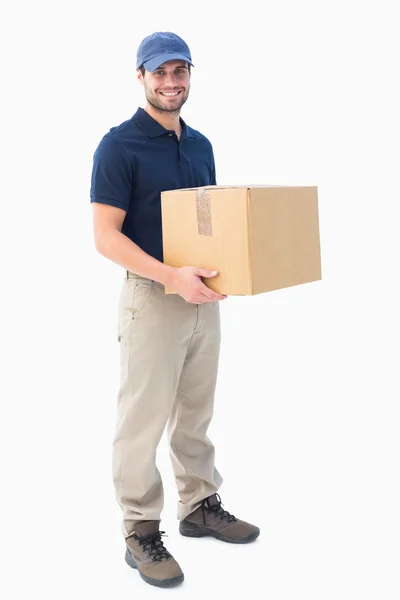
[152, 100]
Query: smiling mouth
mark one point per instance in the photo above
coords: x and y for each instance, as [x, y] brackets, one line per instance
[170, 94]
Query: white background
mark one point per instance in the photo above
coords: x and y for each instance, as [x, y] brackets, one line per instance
[306, 423]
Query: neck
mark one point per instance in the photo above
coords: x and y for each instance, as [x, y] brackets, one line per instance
[166, 119]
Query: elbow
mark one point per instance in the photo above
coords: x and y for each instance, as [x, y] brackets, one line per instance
[99, 243]
[105, 238]
[104, 241]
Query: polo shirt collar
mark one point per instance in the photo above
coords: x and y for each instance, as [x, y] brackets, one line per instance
[152, 128]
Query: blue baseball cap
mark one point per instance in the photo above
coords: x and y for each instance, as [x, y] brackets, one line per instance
[159, 47]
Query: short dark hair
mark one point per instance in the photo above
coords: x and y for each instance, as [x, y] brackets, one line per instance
[143, 70]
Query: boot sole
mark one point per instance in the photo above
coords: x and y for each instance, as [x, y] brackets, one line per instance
[195, 531]
[158, 583]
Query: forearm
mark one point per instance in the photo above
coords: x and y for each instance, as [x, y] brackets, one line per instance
[118, 248]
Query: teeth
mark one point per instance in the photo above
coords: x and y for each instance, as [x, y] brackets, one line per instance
[169, 93]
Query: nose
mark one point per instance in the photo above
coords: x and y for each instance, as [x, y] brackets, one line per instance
[170, 80]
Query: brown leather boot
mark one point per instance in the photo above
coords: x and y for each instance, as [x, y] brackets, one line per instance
[145, 551]
[211, 519]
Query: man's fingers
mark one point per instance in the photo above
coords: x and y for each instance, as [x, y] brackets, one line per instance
[210, 294]
[205, 273]
[201, 298]
[198, 299]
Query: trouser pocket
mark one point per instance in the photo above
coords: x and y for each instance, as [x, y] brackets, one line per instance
[133, 299]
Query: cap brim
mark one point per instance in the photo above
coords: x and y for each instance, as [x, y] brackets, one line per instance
[157, 61]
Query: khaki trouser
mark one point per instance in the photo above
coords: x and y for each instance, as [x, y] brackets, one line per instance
[169, 351]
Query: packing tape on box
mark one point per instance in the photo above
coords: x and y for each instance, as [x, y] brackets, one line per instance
[203, 205]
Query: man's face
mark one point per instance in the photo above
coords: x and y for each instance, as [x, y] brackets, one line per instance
[167, 88]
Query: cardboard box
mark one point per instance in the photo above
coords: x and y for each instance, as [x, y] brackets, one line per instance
[259, 238]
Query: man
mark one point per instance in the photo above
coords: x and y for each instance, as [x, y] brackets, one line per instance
[169, 344]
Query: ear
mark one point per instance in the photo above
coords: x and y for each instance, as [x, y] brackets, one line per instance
[140, 77]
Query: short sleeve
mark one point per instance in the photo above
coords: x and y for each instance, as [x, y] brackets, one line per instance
[112, 174]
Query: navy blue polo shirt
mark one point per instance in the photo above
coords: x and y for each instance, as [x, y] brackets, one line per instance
[139, 159]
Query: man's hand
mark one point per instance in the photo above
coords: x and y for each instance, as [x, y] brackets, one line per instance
[187, 282]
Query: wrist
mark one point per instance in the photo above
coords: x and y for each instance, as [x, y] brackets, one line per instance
[169, 276]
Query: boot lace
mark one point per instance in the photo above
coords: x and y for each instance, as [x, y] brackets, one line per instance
[216, 510]
[153, 545]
